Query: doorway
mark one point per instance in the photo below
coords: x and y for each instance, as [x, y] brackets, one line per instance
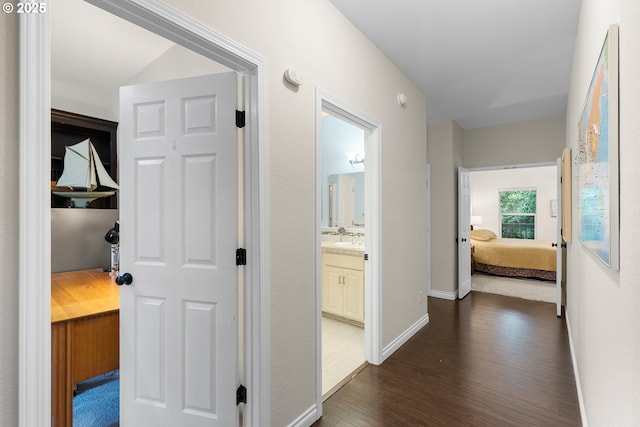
[35, 228]
[491, 191]
[347, 233]
[342, 239]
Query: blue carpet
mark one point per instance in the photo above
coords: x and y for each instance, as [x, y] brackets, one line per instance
[97, 402]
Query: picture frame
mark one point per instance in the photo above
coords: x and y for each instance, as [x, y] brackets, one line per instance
[597, 158]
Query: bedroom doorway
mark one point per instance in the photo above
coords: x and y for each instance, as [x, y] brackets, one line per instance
[34, 229]
[486, 216]
[78, 233]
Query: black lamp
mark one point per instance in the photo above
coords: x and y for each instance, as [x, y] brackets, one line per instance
[113, 235]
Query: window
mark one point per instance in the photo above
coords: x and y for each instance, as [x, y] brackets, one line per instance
[518, 214]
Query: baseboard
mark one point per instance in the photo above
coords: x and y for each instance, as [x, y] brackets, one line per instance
[404, 337]
[444, 295]
[576, 374]
[307, 418]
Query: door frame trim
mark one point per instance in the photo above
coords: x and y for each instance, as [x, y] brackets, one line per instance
[34, 200]
[372, 267]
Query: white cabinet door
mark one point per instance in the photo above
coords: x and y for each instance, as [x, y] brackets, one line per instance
[178, 234]
[343, 286]
[332, 290]
[353, 288]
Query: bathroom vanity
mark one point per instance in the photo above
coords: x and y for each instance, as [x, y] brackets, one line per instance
[343, 281]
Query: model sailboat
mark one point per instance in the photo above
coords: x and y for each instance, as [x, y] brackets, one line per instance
[83, 172]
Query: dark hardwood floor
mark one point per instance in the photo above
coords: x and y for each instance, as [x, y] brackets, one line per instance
[487, 360]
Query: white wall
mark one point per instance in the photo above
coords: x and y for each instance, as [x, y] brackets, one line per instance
[485, 187]
[603, 306]
[9, 219]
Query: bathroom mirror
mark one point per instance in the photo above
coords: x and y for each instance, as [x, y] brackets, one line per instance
[345, 207]
[342, 173]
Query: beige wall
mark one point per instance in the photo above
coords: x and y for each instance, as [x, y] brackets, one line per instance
[536, 141]
[8, 220]
[331, 55]
[604, 306]
[445, 155]
[527, 142]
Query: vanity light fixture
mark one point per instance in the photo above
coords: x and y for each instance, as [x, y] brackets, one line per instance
[355, 158]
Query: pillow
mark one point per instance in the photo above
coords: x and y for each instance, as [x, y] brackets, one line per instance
[483, 235]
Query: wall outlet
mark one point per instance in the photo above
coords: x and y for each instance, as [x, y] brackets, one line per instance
[420, 297]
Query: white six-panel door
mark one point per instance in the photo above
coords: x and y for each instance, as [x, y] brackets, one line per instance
[464, 232]
[178, 234]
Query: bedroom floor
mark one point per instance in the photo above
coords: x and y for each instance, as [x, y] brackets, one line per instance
[536, 290]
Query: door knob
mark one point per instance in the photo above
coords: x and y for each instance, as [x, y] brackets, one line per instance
[125, 279]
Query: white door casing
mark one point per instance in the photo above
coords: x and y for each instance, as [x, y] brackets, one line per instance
[464, 233]
[559, 241]
[429, 215]
[178, 234]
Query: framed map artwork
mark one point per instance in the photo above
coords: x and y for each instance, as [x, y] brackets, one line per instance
[597, 159]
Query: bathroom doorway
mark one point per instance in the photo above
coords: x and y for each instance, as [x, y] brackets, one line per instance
[342, 241]
[347, 152]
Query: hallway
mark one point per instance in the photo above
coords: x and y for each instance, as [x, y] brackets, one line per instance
[486, 360]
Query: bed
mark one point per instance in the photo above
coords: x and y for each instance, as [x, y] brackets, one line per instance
[523, 258]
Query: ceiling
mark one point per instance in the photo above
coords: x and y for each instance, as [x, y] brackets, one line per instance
[480, 63]
[94, 49]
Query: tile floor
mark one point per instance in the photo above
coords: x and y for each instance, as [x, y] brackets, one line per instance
[342, 353]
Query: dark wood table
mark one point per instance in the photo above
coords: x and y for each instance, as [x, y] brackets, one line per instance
[85, 334]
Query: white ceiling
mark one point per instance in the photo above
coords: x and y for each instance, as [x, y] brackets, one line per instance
[480, 63]
[94, 53]
[93, 48]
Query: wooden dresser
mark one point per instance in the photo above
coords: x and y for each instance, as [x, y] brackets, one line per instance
[85, 338]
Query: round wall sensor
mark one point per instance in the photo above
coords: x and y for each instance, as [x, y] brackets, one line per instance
[402, 99]
[293, 77]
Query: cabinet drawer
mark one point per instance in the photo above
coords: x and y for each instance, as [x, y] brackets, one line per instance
[343, 261]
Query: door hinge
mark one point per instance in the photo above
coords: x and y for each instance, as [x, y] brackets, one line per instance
[366, 257]
[240, 120]
[241, 256]
[241, 395]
